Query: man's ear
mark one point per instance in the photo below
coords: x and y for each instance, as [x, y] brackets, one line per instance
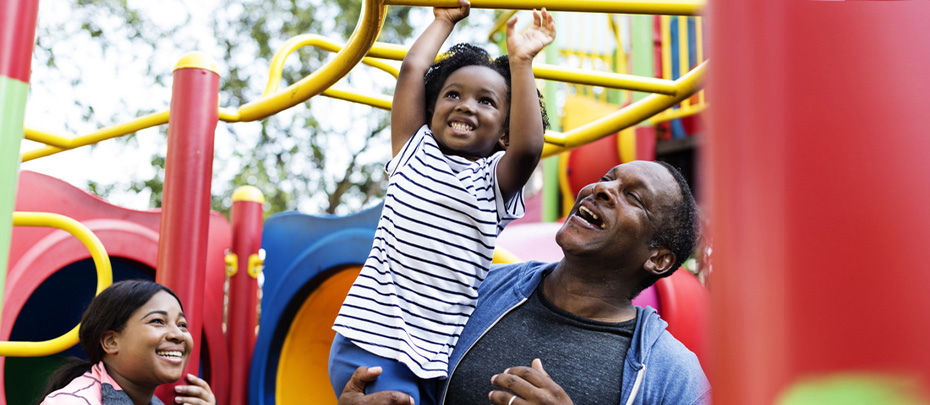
[660, 261]
[110, 342]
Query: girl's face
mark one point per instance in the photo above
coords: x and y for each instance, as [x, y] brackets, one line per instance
[153, 347]
[470, 111]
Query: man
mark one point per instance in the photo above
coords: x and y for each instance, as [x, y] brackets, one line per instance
[634, 226]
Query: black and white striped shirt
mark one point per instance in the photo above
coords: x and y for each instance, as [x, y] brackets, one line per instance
[432, 249]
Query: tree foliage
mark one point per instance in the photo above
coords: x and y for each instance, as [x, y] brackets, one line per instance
[323, 156]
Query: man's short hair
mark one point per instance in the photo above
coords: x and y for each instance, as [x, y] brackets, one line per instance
[678, 230]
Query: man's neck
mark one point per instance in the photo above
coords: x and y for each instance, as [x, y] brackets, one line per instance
[589, 294]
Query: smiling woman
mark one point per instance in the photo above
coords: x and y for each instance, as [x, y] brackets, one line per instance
[135, 336]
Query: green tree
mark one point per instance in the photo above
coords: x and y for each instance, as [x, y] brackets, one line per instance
[322, 156]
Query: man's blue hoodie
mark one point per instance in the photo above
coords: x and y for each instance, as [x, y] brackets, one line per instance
[658, 368]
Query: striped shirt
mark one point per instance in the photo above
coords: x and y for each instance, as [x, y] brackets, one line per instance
[432, 250]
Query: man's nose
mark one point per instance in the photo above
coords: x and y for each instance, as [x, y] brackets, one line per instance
[604, 192]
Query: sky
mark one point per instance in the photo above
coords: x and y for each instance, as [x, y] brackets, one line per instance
[117, 82]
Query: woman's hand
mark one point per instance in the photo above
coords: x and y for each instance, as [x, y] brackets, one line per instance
[525, 46]
[354, 392]
[531, 384]
[198, 393]
[453, 14]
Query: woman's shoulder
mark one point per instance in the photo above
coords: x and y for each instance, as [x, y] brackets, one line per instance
[83, 390]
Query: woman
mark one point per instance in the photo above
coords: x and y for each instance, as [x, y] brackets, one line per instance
[136, 338]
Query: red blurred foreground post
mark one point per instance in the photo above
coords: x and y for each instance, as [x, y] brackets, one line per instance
[818, 175]
[182, 243]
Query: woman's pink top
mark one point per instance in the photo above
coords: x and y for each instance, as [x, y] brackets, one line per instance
[84, 390]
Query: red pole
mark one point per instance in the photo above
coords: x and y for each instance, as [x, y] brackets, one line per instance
[17, 36]
[818, 180]
[242, 319]
[182, 243]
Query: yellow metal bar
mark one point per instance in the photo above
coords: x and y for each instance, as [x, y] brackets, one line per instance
[47, 138]
[104, 279]
[369, 25]
[671, 7]
[229, 115]
[677, 113]
[699, 40]
[626, 117]
[605, 79]
[114, 131]
[666, 32]
[684, 60]
[500, 23]
[378, 101]
[277, 62]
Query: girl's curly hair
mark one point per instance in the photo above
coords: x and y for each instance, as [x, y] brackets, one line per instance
[462, 55]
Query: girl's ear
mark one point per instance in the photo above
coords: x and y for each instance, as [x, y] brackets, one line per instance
[110, 342]
[504, 142]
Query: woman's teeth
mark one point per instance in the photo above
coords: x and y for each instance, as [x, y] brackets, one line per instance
[171, 354]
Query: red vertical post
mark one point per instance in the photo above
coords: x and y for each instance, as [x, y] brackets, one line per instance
[17, 36]
[182, 243]
[818, 187]
[242, 319]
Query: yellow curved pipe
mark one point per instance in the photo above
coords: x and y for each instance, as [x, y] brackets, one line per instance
[369, 25]
[626, 117]
[104, 279]
[321, 42]
[669, 7]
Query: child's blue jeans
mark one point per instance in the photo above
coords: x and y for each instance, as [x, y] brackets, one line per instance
[345, 357]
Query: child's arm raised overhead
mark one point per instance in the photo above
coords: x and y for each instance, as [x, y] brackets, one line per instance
[526, 128]
[408, 113]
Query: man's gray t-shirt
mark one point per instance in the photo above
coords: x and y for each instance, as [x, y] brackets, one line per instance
[584, 357]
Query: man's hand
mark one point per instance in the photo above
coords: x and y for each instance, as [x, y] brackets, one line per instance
[531, 384]
[354, 392]
[525, 46]
[453, 14]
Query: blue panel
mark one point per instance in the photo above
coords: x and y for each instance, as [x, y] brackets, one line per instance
[301, 251]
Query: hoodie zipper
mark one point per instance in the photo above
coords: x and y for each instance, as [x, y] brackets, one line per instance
[449, 380]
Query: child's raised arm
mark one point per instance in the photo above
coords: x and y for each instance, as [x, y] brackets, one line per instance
[409, 108]
[526, 127]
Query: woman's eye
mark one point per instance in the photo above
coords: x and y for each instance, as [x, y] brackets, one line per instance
[158, 321]
[182, 325]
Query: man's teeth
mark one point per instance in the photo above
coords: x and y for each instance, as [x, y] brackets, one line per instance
[461, 126]
[171, 354]
[588, 213]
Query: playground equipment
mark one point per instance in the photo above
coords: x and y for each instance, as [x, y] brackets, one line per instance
[307, 271]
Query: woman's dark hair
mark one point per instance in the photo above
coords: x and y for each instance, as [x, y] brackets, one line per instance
[108, 311]
[462, 55]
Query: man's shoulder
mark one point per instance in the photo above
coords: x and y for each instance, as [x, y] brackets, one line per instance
[677, 371]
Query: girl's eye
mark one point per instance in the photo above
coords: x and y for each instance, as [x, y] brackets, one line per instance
[486, 101]
[452, 94]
